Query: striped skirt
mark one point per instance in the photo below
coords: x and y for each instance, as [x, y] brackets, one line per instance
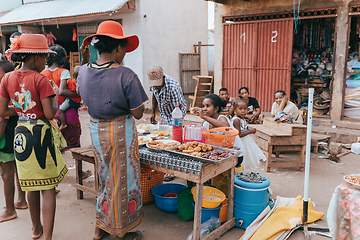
[119, 201]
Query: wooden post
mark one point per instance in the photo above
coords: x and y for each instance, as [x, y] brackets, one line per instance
[79, 180]
[341, 52]
[197, 214]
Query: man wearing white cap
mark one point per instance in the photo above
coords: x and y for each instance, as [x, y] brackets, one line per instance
[167, 93]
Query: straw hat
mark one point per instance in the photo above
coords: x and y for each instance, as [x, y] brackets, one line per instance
[155, 75]
[30, 43]
[114, 30]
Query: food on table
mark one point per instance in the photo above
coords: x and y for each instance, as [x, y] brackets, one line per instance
[161, 145]
[143, 140]
[161, 133]
[216, 154]
[353, 178]
[145, 127]
[194, 148]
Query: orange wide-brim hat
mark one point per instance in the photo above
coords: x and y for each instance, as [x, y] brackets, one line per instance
[30, 43]
[114, 30]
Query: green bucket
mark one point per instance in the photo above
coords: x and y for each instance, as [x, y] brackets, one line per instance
[184, 203]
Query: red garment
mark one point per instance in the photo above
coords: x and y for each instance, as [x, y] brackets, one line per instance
[71, 85]
[55, 76]
[26, 90]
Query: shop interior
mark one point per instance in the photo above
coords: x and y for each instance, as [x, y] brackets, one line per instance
[312, 62]
[352, 90]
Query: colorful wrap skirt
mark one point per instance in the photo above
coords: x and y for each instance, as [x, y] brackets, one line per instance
[39, 162]
[119, 201]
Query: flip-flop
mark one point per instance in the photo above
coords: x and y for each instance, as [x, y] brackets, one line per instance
[22, 207]
[134, 235]
[38, 235]
[10, 218]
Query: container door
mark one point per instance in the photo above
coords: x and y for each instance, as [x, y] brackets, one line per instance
[274, 52]
[239, 57]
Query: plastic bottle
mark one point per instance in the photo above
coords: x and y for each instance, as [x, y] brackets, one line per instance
[177, 130]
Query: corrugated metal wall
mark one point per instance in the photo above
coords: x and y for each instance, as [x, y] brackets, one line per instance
[239, 59]
[274, 60]
[257, 55]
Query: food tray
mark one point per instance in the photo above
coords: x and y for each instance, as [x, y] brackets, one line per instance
[352, 183]
[236, 154]
[165, 141]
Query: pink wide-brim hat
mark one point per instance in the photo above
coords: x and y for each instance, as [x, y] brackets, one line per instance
[30, 43]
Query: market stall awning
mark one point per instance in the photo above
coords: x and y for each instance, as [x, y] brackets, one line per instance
[63, 9]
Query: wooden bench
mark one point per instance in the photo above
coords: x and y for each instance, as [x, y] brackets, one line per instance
[84, 154]
[316, 138]
[275, 138]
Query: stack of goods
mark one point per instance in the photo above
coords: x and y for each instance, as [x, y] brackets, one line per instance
[322, 102]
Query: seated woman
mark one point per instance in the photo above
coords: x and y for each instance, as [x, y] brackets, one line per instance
[283, 105]
[254, 115]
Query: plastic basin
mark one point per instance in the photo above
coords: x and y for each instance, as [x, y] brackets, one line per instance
[167, 204]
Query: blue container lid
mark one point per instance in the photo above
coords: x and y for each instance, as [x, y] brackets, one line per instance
[251, 185]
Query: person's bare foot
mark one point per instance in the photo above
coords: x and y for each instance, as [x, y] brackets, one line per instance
[21, 205]
[8, 215]
[62, 126]
[99, 233]
[37, 232]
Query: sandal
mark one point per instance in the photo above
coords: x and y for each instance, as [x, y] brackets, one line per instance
[38, 235]
[133, 235]
[168, 177]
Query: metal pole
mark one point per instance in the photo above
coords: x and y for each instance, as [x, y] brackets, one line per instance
[307, 163]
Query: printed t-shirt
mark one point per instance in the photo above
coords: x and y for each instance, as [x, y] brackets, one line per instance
[228, 104]
[57, 75]
[110, 92]
[26, 90]
[71, 85]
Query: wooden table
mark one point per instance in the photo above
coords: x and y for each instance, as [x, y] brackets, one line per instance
[208, 171]
[84, 154]
[274, 138]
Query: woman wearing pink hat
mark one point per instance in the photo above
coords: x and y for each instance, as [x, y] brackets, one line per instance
[39, 162]
[114, 97]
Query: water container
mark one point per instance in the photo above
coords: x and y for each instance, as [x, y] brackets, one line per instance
[177, 131]
[250, 199]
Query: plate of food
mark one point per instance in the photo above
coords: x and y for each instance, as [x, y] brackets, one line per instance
[144, 140]
[161, 145]
[353, 179]
[145, 128]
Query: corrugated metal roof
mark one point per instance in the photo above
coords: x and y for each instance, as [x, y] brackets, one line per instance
[58, 9]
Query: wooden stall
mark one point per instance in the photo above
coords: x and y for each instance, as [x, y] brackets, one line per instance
[275, 138]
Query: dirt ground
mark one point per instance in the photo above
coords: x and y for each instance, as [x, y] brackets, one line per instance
[75, 219]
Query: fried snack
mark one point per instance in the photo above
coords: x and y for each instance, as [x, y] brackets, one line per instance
[143, 140]
[194, 148]
[353, 178]
[160, 133]
[161, 145]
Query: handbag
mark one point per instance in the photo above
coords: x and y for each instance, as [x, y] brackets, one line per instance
[193, 132]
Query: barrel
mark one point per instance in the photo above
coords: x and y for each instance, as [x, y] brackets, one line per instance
[250, 199]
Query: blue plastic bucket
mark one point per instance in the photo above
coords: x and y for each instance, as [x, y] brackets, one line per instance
[250, 199]
[207, 213]
[167, 204]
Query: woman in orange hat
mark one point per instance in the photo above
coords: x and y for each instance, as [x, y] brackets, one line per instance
[39, 162]
[114, 97]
